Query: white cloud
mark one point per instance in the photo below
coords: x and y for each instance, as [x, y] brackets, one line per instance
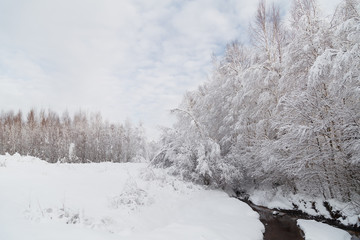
[129, 58]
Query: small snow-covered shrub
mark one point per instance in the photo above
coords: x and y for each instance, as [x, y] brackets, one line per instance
[3, 163]
[63, 214]
[131, 197]
[68, 216]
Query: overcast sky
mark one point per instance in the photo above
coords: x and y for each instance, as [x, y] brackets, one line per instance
[125, 58]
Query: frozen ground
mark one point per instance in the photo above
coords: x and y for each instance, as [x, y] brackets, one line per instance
[319, 231]
[41, 201]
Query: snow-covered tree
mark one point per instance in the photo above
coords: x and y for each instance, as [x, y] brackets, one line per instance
[281, 113]
[78, 139]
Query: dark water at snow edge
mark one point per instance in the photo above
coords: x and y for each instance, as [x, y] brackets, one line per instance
[282, 224]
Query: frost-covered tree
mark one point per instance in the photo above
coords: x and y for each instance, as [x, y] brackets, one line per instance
[82, 138]
[281, 113]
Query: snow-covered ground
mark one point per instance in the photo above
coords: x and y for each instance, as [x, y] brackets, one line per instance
[314, 207]
[319, 231]
[113, 201]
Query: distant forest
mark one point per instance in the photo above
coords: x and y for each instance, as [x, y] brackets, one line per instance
[283, 113]
[78, 139]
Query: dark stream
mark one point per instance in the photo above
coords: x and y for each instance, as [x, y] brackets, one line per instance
[282, 225]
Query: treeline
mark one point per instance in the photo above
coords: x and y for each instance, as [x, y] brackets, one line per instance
[78, 139]
[283, 113]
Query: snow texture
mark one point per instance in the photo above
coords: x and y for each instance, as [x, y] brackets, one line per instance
[319, 231]
[43, 201]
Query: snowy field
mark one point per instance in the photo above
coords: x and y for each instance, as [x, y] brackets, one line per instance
[104, 201]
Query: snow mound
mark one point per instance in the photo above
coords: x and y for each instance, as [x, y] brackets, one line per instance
[320, 231]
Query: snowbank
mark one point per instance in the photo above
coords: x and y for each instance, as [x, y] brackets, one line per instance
[107, 200]
[319, 231]
[314, 207]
